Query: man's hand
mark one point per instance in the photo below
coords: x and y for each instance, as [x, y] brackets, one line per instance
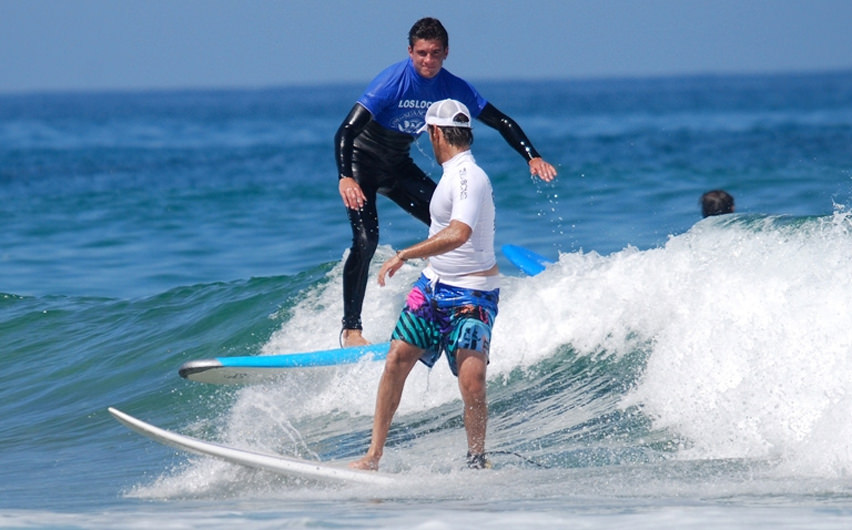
[389, 268]
[544, 170]
[351, 193]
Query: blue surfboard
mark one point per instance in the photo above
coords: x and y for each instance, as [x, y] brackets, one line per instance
[525, 259]
[260, 368]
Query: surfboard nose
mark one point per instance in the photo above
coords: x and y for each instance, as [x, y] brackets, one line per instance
[197, 366]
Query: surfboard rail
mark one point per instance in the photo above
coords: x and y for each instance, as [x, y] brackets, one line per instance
[279, 464]
[260, 368]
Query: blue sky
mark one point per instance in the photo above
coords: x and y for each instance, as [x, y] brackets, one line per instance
[140, 44]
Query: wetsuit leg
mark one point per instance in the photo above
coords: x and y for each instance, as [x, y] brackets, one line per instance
[412, 191]
[365, 239]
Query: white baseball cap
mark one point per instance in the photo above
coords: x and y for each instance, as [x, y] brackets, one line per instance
[444, 113]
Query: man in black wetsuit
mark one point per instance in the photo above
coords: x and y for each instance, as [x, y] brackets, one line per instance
[372, 151]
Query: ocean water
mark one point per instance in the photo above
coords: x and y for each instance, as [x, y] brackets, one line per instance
[665, 370]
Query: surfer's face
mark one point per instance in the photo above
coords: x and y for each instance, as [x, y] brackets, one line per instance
[428, 57]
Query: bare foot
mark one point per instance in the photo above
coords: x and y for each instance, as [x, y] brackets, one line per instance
[353, 337]
[367, 463]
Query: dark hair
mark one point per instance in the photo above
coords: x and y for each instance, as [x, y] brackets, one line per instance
[428, 29]
[458, 136]
[716, 202]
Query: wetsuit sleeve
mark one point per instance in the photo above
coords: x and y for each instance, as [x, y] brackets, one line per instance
[344, 139]
[510, 131]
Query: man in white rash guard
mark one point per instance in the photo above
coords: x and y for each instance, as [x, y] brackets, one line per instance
[452, 306]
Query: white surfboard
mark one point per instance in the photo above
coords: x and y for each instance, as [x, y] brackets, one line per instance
[251, 369]
[321, 471]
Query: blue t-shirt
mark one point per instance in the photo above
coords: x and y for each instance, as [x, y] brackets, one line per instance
[398, 97]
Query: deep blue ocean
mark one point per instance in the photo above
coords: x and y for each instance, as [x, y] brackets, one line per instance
[664, 371]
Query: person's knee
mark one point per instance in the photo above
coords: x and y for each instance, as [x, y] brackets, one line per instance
[401, 358]
[394, 359]
[473, 386]
[472, 375]
[365, 243]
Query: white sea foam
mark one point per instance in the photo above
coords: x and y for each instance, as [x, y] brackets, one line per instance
[745, 322]
[752, 352]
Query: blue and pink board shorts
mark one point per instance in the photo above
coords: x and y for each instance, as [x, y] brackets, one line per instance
[442, 318]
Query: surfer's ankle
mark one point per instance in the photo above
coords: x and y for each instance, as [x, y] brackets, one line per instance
[353, 337]
[367, 463]
[478, 461]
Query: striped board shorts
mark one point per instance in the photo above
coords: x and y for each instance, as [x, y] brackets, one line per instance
[442, 318]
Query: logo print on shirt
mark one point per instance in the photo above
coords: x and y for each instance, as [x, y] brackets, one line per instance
[463, 183]
[413, 104]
